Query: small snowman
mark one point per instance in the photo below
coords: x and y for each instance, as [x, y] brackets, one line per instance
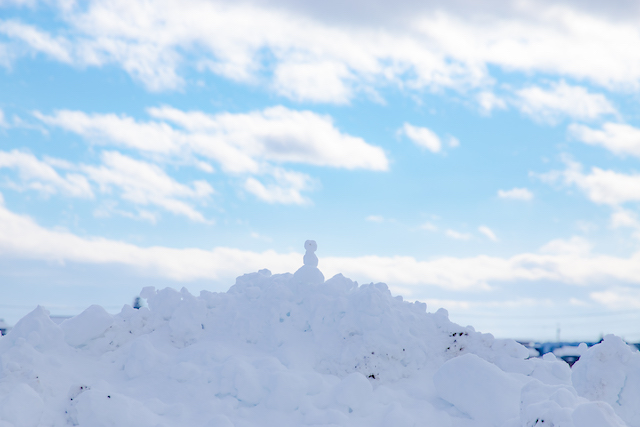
[310, 257]
[309, 272]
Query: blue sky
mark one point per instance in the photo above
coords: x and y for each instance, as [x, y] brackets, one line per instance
[479, 157]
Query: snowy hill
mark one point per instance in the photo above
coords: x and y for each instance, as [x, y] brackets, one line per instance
[276, 350]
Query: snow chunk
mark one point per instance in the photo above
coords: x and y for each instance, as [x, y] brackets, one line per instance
[277, 351]
[479, 389]
[37, 329]
[86, 326]
[596, 414]
[610, 372]
[22, 407]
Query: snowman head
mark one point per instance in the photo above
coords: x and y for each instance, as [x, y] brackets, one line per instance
[310, 245]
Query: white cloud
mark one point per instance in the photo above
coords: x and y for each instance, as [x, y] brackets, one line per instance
[422, 137]
[259, 236]
[601, 186]
[286, 187]
[122, 131]
[3, 122]
[307, 59]
[624, 218]
[578, 246]
[489, 101]
[586, 226]
[57, 48]
[109, 208]
[21, 237]
[238, 142]
[28, 3]
[280, 135]
[457, 235]
[242, 144]
[139, 182]
[516, 194]
[488, 232]
[618, 298]
[550, 39]
[375, 218]
[548, 105]
[144, 184]
[428, 226]
[618, 138]
[317, 82]
[37, 175]
[310, 57]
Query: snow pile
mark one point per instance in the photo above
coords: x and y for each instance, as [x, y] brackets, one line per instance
[610, 372]
[276, 351]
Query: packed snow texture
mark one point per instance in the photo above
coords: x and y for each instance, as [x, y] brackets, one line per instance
[276, 351]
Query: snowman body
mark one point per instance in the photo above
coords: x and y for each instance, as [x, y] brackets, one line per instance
[309, 273]
[310, 257]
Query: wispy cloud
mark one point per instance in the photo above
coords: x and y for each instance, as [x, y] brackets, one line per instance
[516, 194]
[625, 218]
[109, 208]
[426, 138]
[422, 137]
[489, 101]
[40, 176]
[578, 246]
[286, 187]
[562, 100]
[600, 186]
[3, 121]
[457, 235]
[428, 226]
[488, 233]
[57, 48]
[618, 298]
[570, 262]
[238, 142]
[619, 138]
[306, 58]
[375, 218]
[145, 184]
[137, 182]
[251, 144]
[275, 134]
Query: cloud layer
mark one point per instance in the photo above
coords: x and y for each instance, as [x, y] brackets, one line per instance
[569, 262]
[301, 56]
[619, 138]
[249, 146]
[601, 186]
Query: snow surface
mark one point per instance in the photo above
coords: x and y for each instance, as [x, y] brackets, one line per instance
[275, 351]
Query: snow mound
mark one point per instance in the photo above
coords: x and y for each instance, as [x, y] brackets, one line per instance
[275, 350]
[610, 372]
